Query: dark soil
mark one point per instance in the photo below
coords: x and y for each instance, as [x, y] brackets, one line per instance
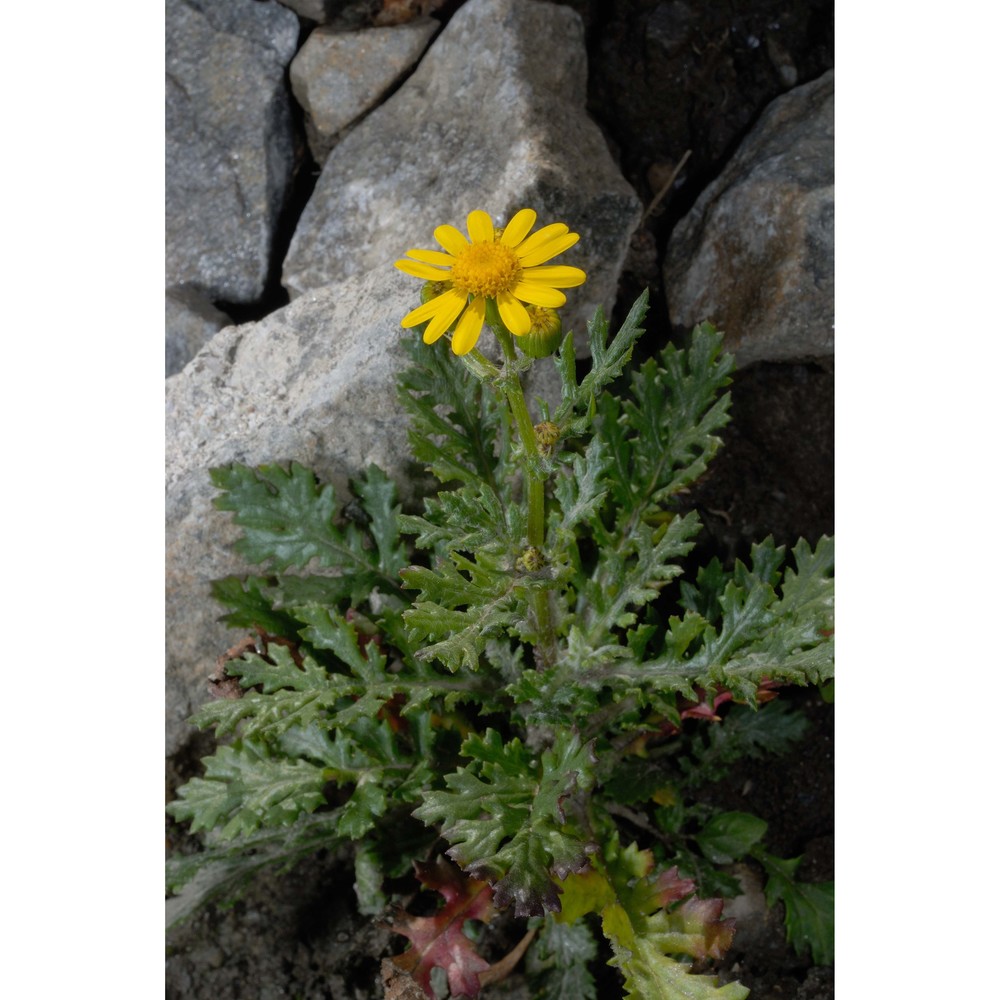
[665, 78]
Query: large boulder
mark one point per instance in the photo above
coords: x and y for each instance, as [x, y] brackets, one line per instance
[494, 118]
[755, 254]
[229, 145]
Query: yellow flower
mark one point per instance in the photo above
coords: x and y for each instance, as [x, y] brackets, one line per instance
[503, 266]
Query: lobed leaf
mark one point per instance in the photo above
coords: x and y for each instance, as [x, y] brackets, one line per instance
[608, 361]
[289, 520]
[245, 788]
[766, 633]
[809, 908]
[557, 962]
[463, 603]
[223, 869]
[459, 428]
[508, 817]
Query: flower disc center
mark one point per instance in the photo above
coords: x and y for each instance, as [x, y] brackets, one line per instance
[486, 269]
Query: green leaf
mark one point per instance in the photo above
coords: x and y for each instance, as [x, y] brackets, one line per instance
[458, 426]
[508, 816]
[761, 635]
[748, 733]
[368, 878]
[809, 906]
[580, 495]
[608, 361]
[377, 493]
[557, 962]
[467, 519]
[664, 433]
[292, 695]
[463, 603]
[252, 605]
[729, 836]
[631, 573]
[288, 520]
[245, 788]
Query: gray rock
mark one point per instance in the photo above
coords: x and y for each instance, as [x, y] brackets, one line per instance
[228, 141]
[492, 118]
[339, 75]
[755, 254]
[191, 321]
[308, 383]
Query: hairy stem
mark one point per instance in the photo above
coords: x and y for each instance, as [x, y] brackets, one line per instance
[533, 475]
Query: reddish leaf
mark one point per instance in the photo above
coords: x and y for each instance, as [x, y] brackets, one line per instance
[669, 886]
[702, 919]
[438, 941]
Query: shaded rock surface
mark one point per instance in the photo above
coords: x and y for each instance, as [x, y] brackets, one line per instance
[191, 321]
[492, 118]
[755, 254]
[339, 75]
[228, 141]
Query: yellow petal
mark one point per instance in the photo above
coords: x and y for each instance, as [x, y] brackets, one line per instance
[445, 317]
[556, 276]
[518, 227]
[424, 271]
[513, 314]
[548, 250]
[444, 302]
[480, 227]
[451, 239]
[432, 257]
[543, 235]
[422, 313]
[470, 326]
[452, 303]
[539, 295]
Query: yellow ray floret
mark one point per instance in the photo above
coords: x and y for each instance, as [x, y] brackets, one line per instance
[504, 266]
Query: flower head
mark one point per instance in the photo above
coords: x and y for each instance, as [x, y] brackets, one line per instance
[500, 265]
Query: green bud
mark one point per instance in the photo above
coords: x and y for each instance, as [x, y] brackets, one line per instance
[545, 334]
[546, 435]
[531, 560]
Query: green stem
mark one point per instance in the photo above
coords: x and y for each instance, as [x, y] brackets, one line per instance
[533, 476]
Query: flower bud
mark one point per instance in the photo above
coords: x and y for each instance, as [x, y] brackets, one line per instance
[545, 334]
[546, 435]
[531, 560]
